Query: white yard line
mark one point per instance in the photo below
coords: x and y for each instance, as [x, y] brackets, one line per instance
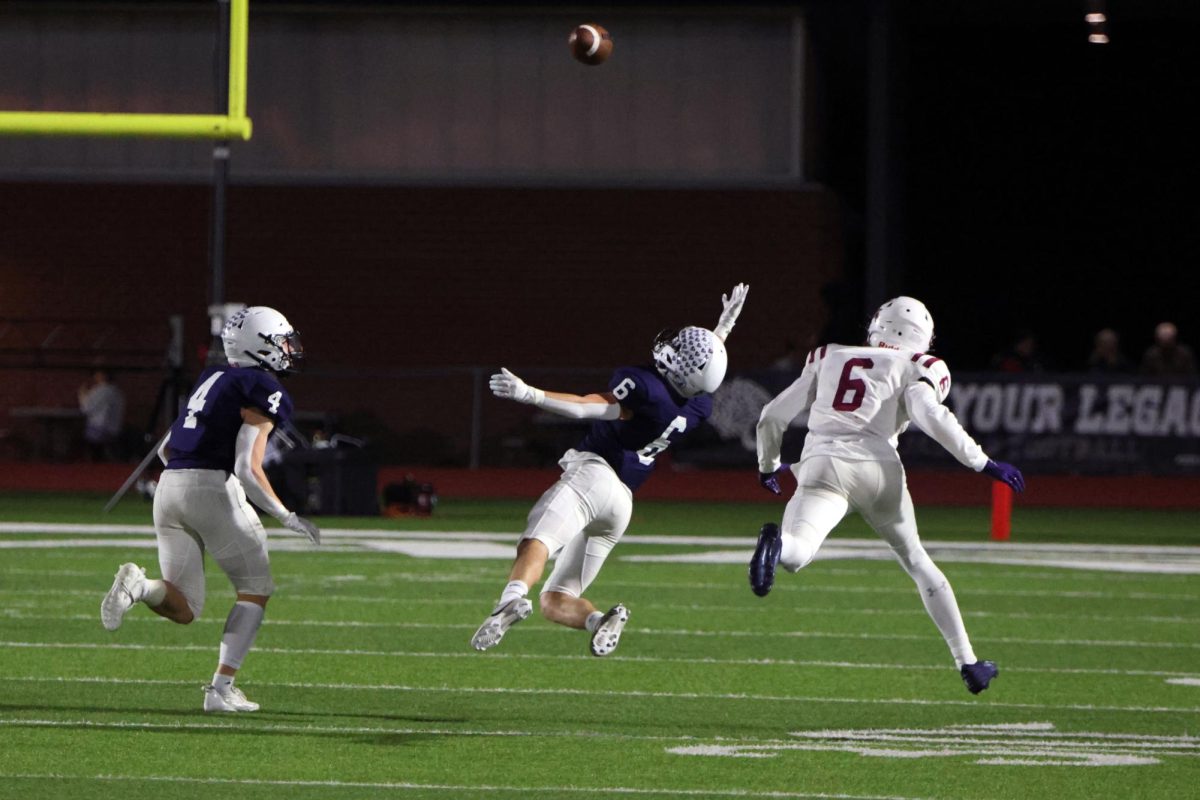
[916, 611]
[742, 634]
[705, 696]
[551, 790]
[1181, 678]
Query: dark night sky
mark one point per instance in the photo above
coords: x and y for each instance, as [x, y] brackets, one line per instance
[1046, 182]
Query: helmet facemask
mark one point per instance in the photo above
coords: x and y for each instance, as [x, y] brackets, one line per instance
[693, 360]
[262, 337]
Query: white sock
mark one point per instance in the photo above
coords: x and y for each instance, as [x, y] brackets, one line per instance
[153, 593]
[221, 681]
[241, 628]
[942, 606]
[593, 621]
[513, 591]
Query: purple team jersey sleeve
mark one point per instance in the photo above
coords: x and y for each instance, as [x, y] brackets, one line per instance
[263, 391]
[631, 388]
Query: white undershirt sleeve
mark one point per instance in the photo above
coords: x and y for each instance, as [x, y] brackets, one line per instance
[940, 424]
[565, 408]
[243, 468]
[778, 414]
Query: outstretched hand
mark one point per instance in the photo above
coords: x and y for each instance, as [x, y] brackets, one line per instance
[770, 480]
[506, 385]
[731, 307]
[1005, 473]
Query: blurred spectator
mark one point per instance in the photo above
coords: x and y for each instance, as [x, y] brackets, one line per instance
[791, 359]
[1167, 356]
[1022, 356]
[103, 407]
[1106, 357]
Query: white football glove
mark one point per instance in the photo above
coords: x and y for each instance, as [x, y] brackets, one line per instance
[508, 386]
[732, 304]
[295, 522]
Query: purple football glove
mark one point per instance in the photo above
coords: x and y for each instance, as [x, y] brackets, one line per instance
[1005, 473]
[770, 480]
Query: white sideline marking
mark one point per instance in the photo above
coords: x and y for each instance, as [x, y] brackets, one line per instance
[1028, 744]
[571, 692]
[723, 541]
[748, 662]
[1184, 681]
[1153, 559]
[556, 790]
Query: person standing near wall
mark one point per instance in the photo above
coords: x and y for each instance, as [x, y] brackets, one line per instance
[103, 405]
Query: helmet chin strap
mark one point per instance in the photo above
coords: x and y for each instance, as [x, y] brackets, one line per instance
[265, 365]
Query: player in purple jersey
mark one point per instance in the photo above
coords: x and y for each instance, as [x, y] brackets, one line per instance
[213, 461]
[582, 516]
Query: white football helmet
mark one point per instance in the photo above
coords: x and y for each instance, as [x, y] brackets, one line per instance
[902, 322]
[693, 360]
[259, 336]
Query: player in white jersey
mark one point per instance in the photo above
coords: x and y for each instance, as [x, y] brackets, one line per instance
[858, 401]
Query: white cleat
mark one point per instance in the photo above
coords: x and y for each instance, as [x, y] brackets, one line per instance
[499, 621]
[127, 589]
[227, 700]
[608, 632]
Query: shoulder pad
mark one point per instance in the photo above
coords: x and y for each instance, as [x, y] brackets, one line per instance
[817, 354]
[933, 371]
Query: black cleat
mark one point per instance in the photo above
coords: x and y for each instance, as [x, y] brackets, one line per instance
[977, 676]
[765, 559]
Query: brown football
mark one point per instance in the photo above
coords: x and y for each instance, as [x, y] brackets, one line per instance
[590, 44]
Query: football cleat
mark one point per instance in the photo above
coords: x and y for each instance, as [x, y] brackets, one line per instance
[608, 632]
[977, 676]
[127, 589]
[499, 621]
[226, 700]
[765, 559]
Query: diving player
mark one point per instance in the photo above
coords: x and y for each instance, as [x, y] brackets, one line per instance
[858, 401]
[582, 516]
[213, 456]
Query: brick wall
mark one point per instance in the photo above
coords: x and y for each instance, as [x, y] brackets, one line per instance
[390, 278]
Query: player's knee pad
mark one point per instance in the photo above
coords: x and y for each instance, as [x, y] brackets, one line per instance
[260, 585]
[913, 558]
[195, 605]
[798, 550]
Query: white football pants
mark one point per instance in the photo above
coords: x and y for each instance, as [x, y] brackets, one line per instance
[828, 488]
[580, 519]
[206, 509]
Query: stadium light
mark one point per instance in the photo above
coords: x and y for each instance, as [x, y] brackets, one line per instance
[1097, 21]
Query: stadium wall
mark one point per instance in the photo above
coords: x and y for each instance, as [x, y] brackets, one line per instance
[381, 280]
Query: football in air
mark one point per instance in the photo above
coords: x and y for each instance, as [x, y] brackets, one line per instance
[590, 44]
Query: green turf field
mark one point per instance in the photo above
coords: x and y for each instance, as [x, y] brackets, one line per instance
[836, 685]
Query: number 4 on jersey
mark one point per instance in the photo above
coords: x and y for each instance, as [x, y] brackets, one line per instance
[198, 399]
